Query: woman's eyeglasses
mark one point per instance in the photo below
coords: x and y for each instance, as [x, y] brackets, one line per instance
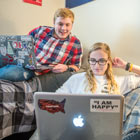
[101, 61]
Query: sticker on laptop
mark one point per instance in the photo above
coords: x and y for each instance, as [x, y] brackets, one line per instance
[104, 105]
[52, 106]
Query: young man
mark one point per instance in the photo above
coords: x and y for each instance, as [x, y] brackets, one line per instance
[58, 49]
[55, 47]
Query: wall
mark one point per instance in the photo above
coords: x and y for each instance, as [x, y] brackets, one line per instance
[116, 22]
[17, 17]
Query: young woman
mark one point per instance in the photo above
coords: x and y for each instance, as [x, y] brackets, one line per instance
[99, 78]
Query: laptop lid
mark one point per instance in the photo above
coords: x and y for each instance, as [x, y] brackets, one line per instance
[17, 50]
[74, 117]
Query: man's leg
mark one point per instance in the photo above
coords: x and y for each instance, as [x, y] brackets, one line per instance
[50, 82]
[15, 73]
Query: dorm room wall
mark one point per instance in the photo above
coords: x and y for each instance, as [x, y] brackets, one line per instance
[116, 22]
[18, 17]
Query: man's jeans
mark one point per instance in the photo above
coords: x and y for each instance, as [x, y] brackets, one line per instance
[15, 73]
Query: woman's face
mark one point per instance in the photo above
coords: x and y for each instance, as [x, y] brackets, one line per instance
[98, 61]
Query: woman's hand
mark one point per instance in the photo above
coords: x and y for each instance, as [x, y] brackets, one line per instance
[119, 63]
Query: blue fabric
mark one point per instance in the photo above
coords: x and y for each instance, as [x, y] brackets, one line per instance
[15, 73]
[131, 109]
[133, 134]
[131, 118]
[74, 3]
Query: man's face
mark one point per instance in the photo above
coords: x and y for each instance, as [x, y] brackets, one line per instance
[63, 27]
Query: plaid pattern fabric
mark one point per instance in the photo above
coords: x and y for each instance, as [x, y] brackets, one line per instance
[131, 114]
[50, 50]
[16, 106]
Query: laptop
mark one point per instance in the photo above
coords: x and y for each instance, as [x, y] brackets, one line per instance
[78, 117]
[17, 50]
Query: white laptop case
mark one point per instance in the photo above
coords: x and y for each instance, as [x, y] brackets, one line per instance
[78, 117]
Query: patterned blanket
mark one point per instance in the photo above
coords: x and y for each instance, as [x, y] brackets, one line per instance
[131, 115]
[16, 106]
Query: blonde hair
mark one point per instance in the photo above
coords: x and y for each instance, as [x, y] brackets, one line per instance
[65, 13]
[112, 85]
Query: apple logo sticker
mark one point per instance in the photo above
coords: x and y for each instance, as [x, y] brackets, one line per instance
[78, 121]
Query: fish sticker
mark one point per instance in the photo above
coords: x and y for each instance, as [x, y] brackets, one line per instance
[52, 106]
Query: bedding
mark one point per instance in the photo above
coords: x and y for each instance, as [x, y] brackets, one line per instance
[131, 115]
[16, 106]
[16, 101]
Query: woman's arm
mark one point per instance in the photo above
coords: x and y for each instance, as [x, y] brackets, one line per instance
[119, 63]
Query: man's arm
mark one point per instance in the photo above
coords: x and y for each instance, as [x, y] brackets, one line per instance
[73, 63]
[62, 68]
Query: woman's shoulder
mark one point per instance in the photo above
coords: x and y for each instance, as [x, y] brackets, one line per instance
[121, 78]
[127, 82]
[130, 76]
[128, 79]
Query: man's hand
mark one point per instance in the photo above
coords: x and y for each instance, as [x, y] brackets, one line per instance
[59, 68]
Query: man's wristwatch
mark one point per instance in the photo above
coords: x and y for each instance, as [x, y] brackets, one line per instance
[70, 69]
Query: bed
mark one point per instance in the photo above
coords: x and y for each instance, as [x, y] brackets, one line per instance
[16, 101]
